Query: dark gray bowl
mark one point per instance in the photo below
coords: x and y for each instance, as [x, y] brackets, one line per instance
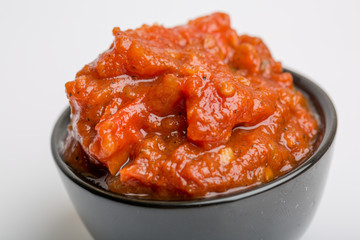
[281, 209]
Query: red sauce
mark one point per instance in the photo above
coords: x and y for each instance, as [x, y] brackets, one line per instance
[183, 112]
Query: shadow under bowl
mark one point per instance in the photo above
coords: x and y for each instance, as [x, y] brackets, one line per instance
[280, 209]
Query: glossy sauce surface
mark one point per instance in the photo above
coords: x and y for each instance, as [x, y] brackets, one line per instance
[184, 112]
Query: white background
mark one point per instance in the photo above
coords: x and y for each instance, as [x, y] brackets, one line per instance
[43, 44]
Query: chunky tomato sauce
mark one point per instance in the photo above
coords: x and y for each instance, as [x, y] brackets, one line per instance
[185, 112]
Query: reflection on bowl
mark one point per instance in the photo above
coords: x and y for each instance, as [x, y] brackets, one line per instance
[281, 209]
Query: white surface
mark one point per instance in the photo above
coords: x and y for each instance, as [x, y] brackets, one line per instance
[42, 45]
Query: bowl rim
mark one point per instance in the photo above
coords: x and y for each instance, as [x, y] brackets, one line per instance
[318, 97]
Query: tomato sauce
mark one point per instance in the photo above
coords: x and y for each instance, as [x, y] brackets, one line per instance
[185, 112]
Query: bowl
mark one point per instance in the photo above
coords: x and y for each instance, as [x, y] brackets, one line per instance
[280, 209]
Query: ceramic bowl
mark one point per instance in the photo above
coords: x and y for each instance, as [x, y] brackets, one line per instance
[281, 209]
